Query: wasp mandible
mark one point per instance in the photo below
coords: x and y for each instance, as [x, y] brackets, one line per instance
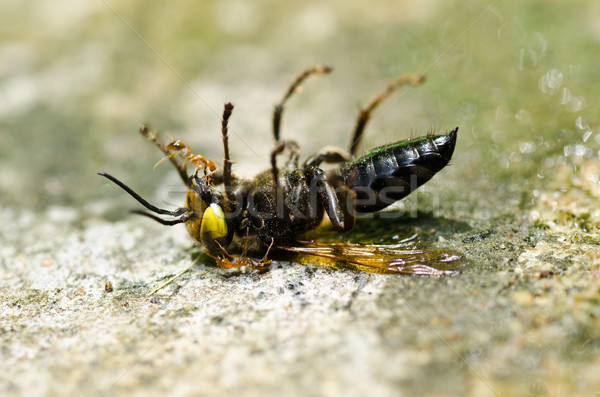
[274, 208]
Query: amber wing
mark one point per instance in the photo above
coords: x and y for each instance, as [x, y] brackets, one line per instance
[403, 257]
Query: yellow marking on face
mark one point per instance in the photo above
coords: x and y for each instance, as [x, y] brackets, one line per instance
[214, 225]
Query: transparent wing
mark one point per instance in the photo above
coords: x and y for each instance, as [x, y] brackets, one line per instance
[404, 257]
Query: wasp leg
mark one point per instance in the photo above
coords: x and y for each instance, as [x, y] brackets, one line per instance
[151, 136]
[226, 159]
[365, 113]
[329, 199]
[277, 150]
[346, 199]
[294, 150]
[217, 178]
[329, 154]
[294, 87]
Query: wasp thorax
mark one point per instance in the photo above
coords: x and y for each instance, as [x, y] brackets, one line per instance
[214, 232]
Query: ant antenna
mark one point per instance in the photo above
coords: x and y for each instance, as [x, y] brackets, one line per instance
[183, 212]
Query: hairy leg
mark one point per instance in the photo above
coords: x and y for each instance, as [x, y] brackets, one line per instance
[294, 87]
[365, 113]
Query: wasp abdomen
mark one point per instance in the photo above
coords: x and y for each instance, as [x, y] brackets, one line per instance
[389, 173]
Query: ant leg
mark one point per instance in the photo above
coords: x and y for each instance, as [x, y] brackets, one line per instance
[226, 159]
[222, 262]
[235, 261]
[365, 113]
[246, 241]
[264, 259]
[181, 168]
[264, 264]
[294, 87]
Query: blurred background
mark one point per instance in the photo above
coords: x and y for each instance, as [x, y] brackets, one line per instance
[78, 78]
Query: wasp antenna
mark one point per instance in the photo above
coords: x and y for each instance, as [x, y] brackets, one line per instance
[184, 218]
[136, 196]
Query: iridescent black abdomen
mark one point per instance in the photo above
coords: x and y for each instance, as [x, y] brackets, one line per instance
[389, 173]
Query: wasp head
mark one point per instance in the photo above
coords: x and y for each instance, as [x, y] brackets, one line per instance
[204, 214]
[208, 223]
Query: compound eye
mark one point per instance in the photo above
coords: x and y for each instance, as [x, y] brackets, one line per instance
[213, 228]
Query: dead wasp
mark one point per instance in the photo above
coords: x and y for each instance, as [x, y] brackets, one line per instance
[273, 209]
